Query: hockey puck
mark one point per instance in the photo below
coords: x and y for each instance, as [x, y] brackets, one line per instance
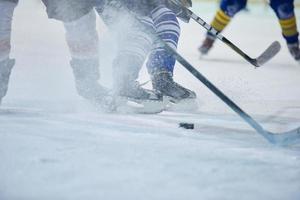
[186, 125]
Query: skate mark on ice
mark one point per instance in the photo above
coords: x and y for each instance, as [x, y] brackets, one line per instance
[19, 112]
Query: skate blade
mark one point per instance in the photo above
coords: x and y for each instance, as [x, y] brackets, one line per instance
[127, 105]
[185, 105]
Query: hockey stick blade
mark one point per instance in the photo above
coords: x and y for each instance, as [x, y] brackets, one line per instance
[267, 55]
[285, 138]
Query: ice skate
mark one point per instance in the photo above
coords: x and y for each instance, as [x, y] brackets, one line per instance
[181, 98]
[295, 51]
[207, 44]
[132, 98]
[5, 71]
[86, 74]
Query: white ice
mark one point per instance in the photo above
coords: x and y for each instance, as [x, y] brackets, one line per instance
[54, 146]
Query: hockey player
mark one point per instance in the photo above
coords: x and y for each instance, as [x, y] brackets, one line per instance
[284, 10]
[156, 15]
[161, 63]
[133, 45]
[79, 21]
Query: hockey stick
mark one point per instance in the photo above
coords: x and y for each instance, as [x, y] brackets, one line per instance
[284, 138]
[268, 54]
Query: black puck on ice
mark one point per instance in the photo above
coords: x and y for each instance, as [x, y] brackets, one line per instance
[186, 125]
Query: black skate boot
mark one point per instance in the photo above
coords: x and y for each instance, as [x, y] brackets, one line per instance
[132, 98]
[129, 96]
[207, 44]
[181, 97]
[5, 71]
[86, 74]
[295, 51]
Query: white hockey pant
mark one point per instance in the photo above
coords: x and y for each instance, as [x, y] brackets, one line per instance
[82, 37]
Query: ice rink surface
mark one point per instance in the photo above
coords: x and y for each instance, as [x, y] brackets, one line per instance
[54, 146]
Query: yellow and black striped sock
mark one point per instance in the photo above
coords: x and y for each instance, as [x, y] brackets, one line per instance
[220, 20]
[289, 26]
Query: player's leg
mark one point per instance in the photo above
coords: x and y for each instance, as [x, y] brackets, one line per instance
[285, 12]
[80, 25]
[228, 8]
[82, 40]
[134, 44]
[6, 15]
[161, 63]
